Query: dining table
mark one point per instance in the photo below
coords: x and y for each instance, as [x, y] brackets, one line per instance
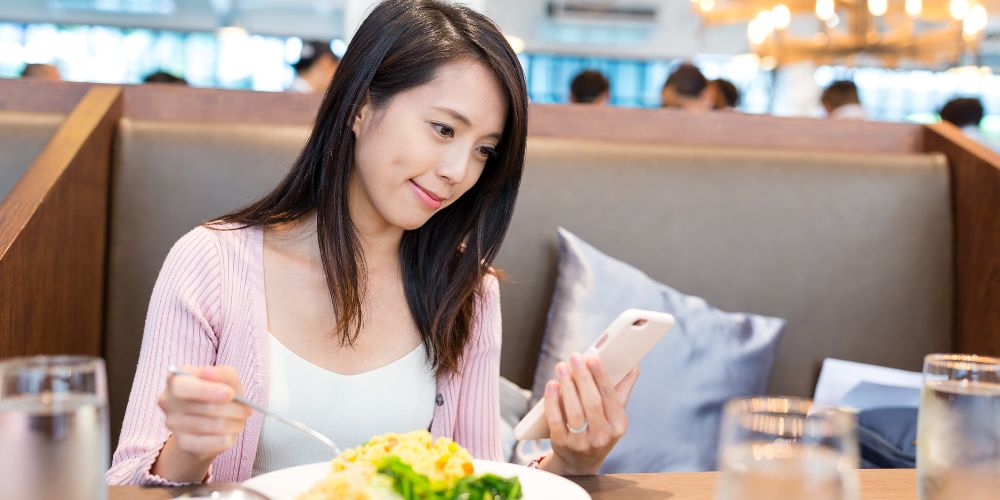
[876, 484]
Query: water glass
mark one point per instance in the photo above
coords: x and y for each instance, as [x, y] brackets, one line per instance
[958, 428]
[53, 428]
[781, 447]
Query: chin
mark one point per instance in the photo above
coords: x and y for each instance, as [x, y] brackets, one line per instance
[410, 223]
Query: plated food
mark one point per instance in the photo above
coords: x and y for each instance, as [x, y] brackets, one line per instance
[411, 466]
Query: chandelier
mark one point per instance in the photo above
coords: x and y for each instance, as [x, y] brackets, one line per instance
[928, 32]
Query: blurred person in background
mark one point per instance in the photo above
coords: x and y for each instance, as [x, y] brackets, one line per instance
[590, 87]
[841, 101]
[315, 68]
[41, 72]
[723, 94]
[164, 77]
[966, 113]
[685, 89]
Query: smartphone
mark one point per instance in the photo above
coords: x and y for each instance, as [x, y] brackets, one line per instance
[620, 348]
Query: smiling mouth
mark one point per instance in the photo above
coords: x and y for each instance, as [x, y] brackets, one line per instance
[430, 194]
[429, 199]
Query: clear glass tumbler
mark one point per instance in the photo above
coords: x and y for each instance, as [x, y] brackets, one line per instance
[53, 428]
[958, 428]
[775, 447]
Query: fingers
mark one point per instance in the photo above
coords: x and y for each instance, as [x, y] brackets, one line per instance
[200, 412]
[553, 412]
[221, 374]
[187, 423]
[624, 388]
[204, 446]
[572, 407]
[602, 433]
[590, 395]
[215, 410]
[195, 388]
[613, 408]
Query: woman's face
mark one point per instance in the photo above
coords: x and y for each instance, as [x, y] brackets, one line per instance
[426, 147]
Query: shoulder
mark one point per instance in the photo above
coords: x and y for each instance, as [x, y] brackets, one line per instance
[489, 289]
[198, 246]
[206, 248]
[230, 237]
[488, 298]
[486, 325]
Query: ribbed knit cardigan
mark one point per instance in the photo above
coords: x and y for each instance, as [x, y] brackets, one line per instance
[208, 308]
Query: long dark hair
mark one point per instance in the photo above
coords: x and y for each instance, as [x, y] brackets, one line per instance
[401, 45]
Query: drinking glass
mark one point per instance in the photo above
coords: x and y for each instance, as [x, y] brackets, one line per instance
[781, 447]
[53, 428]
[958, 428]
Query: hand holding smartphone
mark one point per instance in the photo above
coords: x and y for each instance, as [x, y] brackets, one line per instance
[620, 348]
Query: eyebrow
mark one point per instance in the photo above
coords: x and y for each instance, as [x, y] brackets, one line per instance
[465, 120]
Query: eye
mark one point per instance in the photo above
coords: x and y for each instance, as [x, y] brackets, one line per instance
[443, 130]
[488, 153]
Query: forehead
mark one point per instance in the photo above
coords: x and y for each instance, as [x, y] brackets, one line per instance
[468, 87]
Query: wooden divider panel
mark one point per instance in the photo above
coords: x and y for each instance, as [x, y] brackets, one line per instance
[975, 176]
[53, 232]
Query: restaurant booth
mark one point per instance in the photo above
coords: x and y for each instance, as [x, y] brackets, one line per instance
[877, 242]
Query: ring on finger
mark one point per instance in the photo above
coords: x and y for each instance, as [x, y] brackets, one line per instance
[578, 430]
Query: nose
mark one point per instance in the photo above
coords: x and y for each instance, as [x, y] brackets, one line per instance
[453, 167]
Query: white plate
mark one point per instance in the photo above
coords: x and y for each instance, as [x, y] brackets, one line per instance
[286, 484]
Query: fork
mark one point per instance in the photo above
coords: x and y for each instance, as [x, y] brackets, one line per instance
[174, 370]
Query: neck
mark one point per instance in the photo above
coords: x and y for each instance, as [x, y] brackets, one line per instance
[380, 247]
[379, 239]
[297, 238]
[379, 244]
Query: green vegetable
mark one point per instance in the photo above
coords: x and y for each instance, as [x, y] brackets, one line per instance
[412, 485]
[486, 487]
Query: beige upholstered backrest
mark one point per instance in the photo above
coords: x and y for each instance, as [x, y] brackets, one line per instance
[23, 135]
[854, 250]
[167, 178]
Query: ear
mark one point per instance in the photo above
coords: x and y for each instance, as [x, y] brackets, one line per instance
[363, 115]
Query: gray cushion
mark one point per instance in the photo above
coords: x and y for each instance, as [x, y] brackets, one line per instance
[709, 357]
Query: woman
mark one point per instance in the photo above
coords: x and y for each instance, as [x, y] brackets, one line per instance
[358, 295]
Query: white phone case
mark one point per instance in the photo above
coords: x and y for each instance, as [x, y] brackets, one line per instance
[620, 348]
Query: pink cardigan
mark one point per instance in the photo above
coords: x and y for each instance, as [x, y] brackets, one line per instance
[208, 309]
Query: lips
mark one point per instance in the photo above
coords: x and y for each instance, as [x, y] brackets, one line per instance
[429, 198]
[429, 193]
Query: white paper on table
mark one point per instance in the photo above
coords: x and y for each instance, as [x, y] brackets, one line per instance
[838, 377]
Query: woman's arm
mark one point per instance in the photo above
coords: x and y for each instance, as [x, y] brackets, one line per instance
[478, 421]
[180, 329]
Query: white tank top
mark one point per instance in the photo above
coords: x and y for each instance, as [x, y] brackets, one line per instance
[350, 409]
